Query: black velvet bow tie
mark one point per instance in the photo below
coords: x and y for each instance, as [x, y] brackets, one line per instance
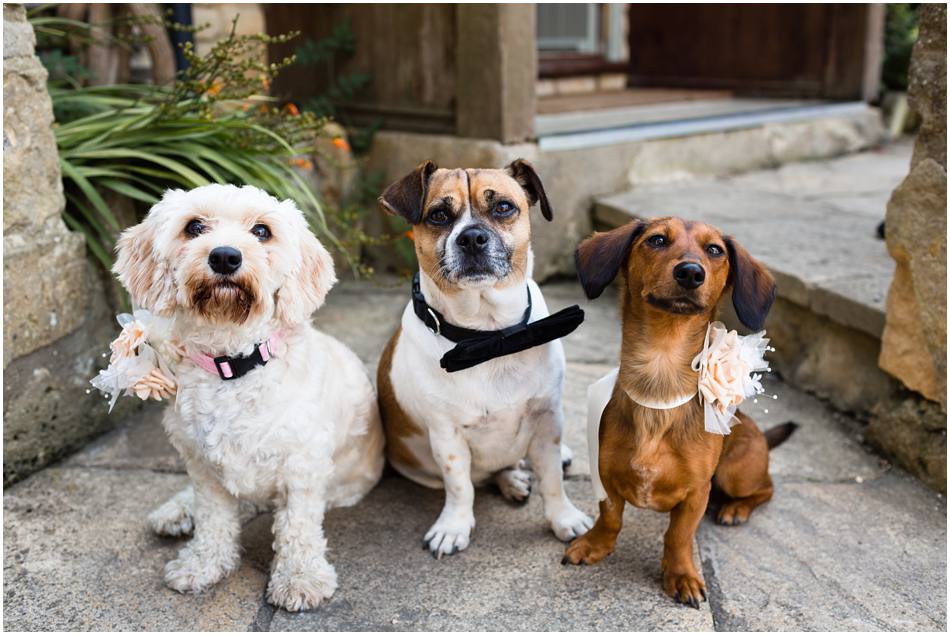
[474, 347]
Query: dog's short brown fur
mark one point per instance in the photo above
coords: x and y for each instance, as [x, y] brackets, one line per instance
[663, 459]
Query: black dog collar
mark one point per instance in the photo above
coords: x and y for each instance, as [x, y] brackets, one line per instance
[474, 347]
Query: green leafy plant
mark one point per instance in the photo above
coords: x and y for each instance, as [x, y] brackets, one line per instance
[900, 34]
[213, 125]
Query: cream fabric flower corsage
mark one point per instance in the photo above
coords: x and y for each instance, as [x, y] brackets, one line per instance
[143, 359]
[727, 368]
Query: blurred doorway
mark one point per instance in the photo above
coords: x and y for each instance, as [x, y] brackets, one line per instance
[606, 65]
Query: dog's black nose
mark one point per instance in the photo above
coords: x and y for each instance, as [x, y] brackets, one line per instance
[689, 275]
[472, 240]
[224, 260]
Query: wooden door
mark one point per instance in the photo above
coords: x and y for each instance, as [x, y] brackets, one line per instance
[803, 50]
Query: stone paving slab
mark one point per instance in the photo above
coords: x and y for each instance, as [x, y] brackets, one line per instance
[847, 543]
[77, 556]
[813, 224]
[833, 556]
[510, 577]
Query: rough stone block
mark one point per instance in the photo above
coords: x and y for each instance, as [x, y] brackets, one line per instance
[32, 189]
[46, 410]
[914, 346]
[914, 432]
[47, 289]
[18, 38]
[927, 79]
[56, 316]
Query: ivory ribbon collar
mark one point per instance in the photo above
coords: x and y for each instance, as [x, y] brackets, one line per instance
[727, 373]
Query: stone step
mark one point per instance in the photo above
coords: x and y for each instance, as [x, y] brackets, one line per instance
[814, 225]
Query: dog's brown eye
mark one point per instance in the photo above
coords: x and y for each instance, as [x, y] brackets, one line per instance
[657, 240]
[714, 250]
[504, 209]
[261, 231]
[194, 228]
[438, 217]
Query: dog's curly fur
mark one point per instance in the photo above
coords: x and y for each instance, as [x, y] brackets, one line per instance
[300, 434]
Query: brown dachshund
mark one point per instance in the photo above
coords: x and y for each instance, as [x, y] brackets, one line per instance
[676, 272]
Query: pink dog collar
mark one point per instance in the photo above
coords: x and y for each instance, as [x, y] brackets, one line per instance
[234, 367]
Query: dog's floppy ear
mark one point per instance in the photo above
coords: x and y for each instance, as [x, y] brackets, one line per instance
[600, 257]
[307, 287]
[523, 172]
[753, 287]
[406, 196]
[145, 273]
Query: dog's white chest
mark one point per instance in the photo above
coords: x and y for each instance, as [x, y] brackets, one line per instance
[219, 427]
[494, 407]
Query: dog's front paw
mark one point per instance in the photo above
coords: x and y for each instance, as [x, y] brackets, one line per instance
[570, 523]
[302, 589]
[190, 573]
[685, 587]
[450, 533]
[587, 550]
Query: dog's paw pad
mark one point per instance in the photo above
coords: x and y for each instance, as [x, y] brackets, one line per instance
[571, 523]
[302, 590]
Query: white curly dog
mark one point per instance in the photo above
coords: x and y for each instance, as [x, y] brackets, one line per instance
[269, 411]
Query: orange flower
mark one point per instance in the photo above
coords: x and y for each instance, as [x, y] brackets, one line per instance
[265, 81]
[301, 163]
[409, 235]
[214, 89]
[292, 109]
[341, 143]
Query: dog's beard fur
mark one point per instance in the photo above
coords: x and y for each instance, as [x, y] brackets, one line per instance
[227, 299]
[489, 267]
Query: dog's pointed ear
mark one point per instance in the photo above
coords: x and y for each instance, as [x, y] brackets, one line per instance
[307, 286]
[145, 272]
[406, 196]
[600, 257]
[523, 172]
[753, 287]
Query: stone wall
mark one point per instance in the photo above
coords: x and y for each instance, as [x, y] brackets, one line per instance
[219, 17]
[56, 319]
[913, 347]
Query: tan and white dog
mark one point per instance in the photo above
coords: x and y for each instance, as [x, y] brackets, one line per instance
[456, 430]
[269, 411]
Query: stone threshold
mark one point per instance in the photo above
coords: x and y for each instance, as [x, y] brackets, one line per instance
[570, 131]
